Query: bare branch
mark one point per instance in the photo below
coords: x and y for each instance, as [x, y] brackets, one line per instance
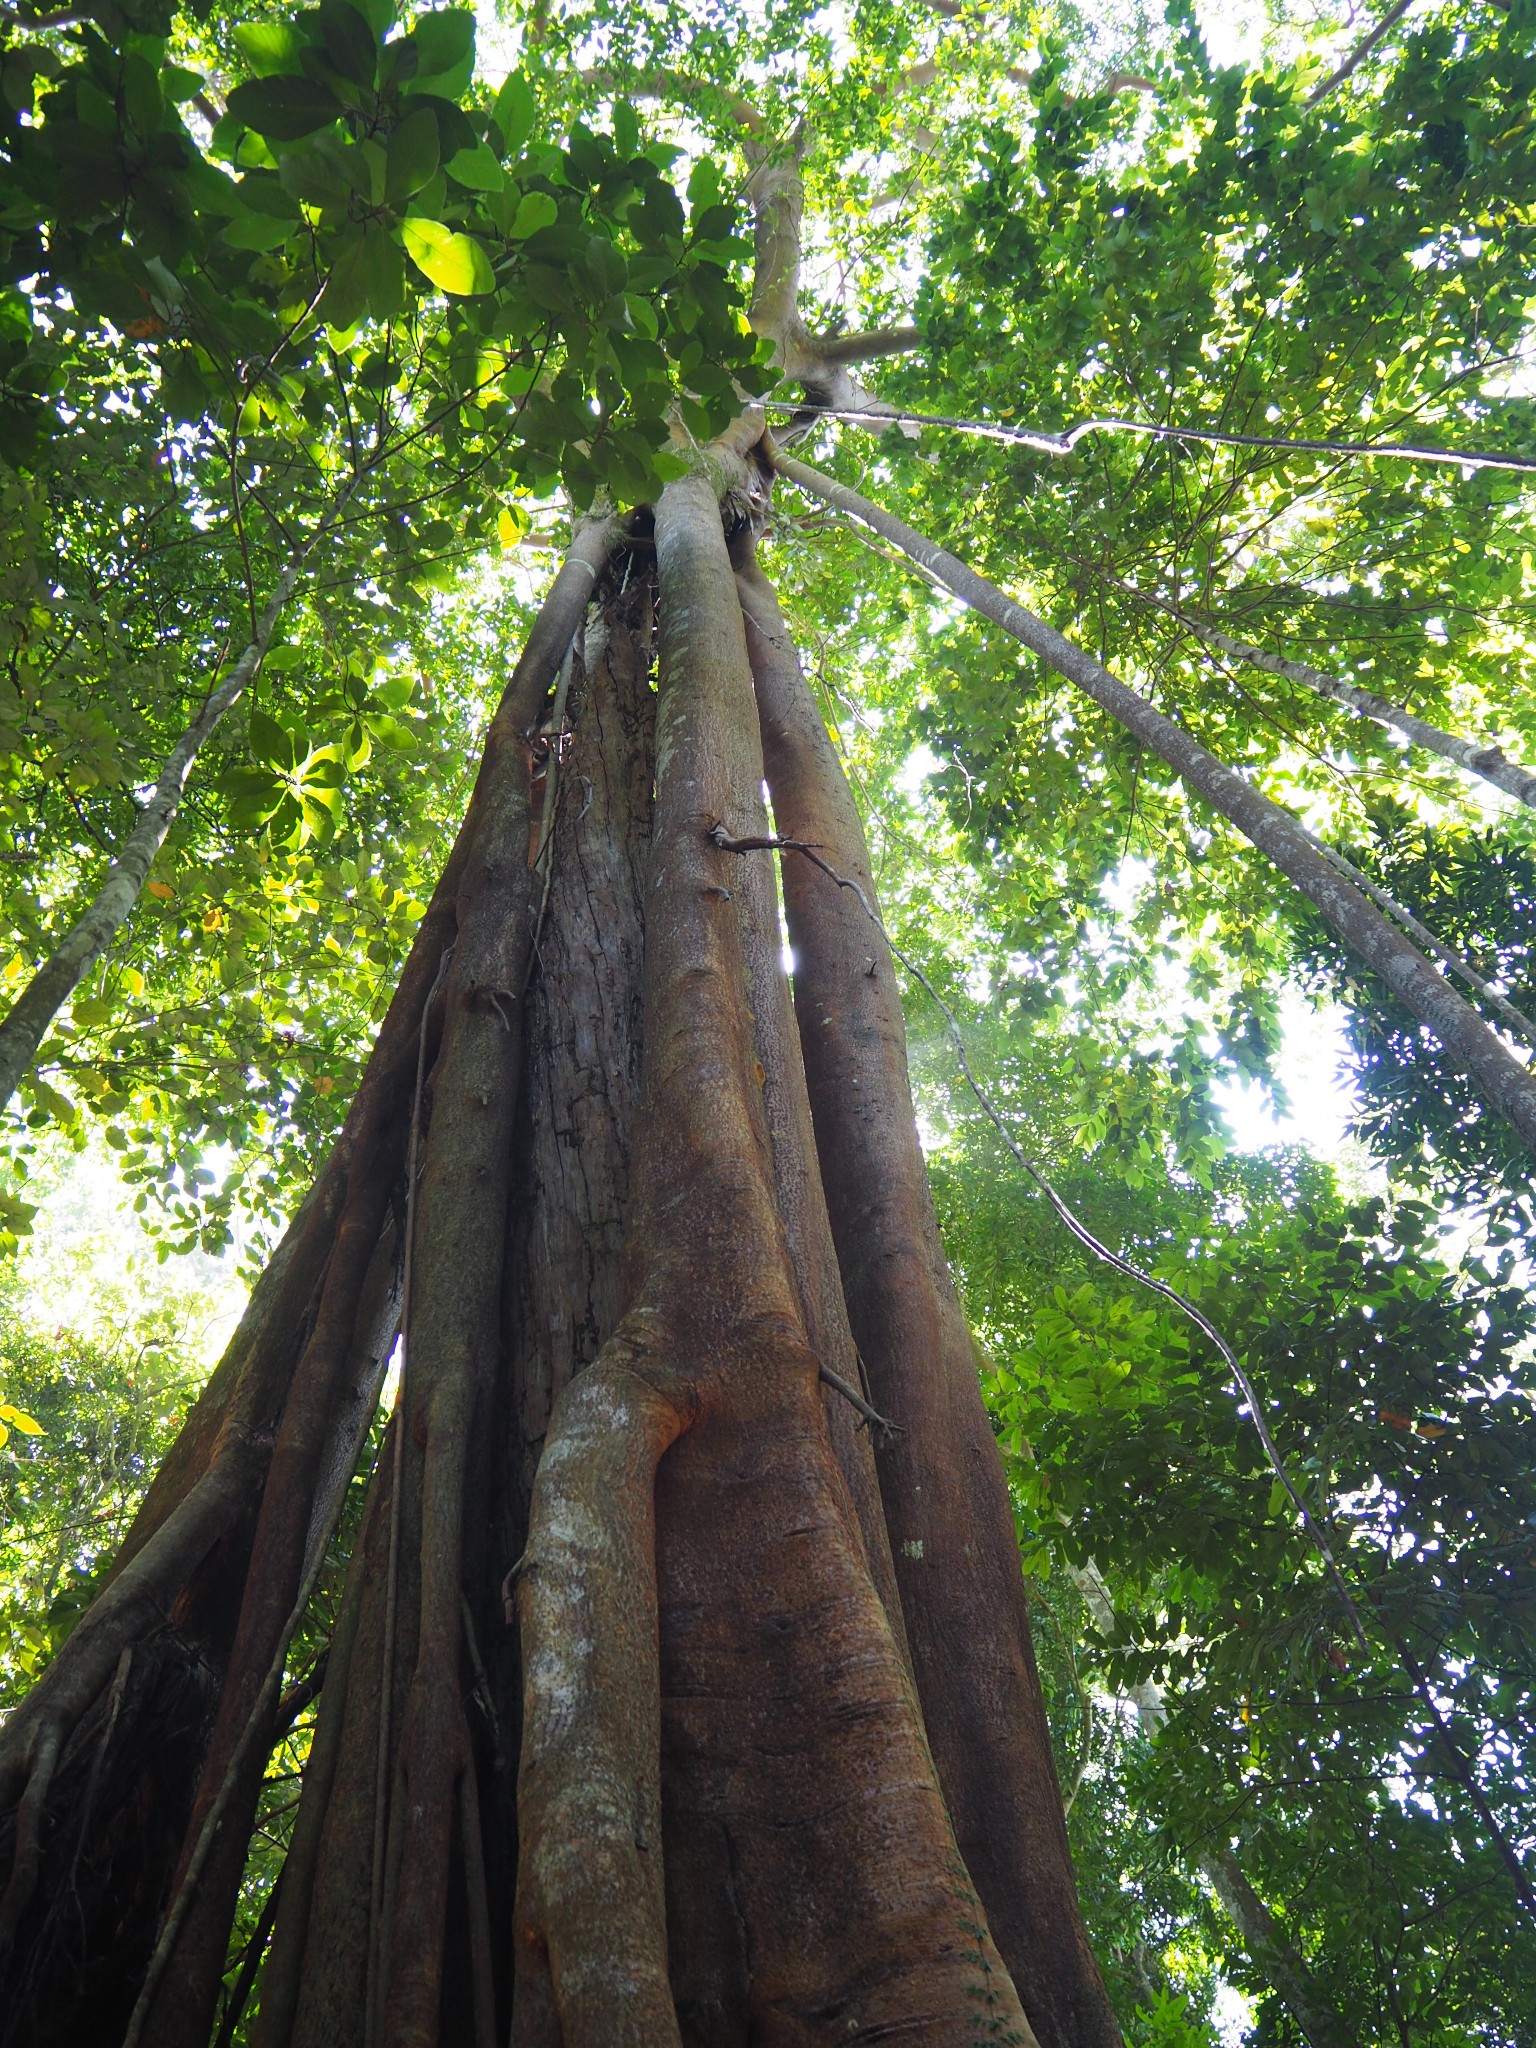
[1359, 53]
[1124, 81]
[869, 344]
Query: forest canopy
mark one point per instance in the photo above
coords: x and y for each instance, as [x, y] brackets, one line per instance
[325, 336]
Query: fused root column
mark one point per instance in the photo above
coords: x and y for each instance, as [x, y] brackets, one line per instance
[591, 1909]
[945, 1495]
[812, 1888]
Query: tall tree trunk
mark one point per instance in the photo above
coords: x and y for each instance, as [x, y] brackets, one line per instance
[1490, 763]
[693, 1547]
[709, 1781]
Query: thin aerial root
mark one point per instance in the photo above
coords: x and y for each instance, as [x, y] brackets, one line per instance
[479, 1907]
[872, 1415]
[28, 1856]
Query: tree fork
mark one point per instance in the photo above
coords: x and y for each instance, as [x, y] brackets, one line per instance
[1508, 1086]
[946, 1501]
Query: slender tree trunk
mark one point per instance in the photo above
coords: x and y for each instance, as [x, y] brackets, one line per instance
[1270, 1950]
[1490, 763]
[26, 1022]
[1273, 1953]
[1504, 1082]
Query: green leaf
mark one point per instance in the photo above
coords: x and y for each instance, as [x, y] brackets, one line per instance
[385, 266]
[347, 288]
[349, 41]
[391, 732]
[269, 741]
[455, 263]
[535, 210]
[514, 113]
[477, 168]
[284, 109]
[445, 45]
[269, 46]
[258, 232]
[412, 155]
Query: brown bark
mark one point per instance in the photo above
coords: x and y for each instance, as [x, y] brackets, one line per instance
[282, 1976]
[946, 1499]
[790, 1743]
[481, 1001]
[730, 1823]
[584, 1033]
[563, 1246]
[802, 1205]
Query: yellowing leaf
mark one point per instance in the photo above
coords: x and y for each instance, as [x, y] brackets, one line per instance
[213, 918]
[20, 1420]
[455, 263]
[161, 890]
[324, 1083]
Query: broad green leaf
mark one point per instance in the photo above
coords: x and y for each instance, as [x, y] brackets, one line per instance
[454, 262]
[514, 113]
[258, 232]
[269, 741]
[349, 41]
[346, 292]
[412, 155]
[269, 46]
[284, 109]
[445, 45]
[535, 210]
[385, 267]
[477, 168]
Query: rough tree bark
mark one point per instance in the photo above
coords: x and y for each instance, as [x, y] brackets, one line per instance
[946, 1499]
[718, 1782]
[163, 1629]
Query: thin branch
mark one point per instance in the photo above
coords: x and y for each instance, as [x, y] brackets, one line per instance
[1515, 1020]
[869, 344]
[834, 1380]
[1064, 444]
[1359, 53]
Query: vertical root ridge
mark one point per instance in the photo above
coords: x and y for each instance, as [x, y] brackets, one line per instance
[589, 1785]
